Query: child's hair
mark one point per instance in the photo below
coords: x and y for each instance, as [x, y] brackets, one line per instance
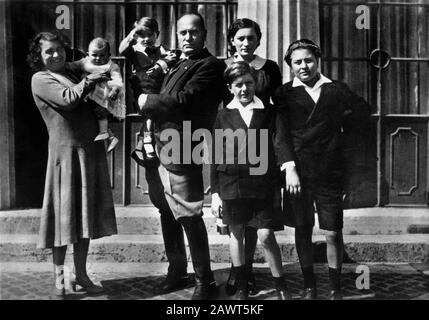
[302, 44]
[238, 69]
[147, 23]
[100, 44]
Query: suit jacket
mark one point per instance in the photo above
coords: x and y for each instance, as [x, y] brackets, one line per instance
[234, 181]
[312, 134]
[192, 91]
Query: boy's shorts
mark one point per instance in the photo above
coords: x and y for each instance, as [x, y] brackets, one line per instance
[255, 213]
[299, 209]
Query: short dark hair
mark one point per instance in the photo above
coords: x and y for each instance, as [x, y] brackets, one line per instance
[241, 24]
[303, 44]
[34, 57]
[100, 43]
[147, 23]
[238, 69]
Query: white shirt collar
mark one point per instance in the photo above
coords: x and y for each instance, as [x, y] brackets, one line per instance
[257, 62]
[255, 104]
[296, 83]
[246, 112]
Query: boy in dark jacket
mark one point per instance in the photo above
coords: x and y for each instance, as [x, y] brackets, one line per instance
[242, 189]
[313, 113]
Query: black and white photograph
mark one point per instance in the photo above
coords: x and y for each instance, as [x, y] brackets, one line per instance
[191, 153]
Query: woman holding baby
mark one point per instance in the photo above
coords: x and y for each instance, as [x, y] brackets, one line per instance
[78, 202]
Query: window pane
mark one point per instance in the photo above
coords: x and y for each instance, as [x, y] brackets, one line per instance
[341, 37]
[99, 21]
[358, 75]
[398, 21]
[35, 18]
[404, 88]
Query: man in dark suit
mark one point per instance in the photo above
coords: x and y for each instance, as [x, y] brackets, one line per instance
[314, 112]
[192, 91]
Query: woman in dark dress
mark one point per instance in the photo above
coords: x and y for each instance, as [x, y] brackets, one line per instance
[244, 36]
[78, 202]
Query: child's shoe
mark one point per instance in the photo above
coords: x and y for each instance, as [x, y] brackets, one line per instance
[113, 141]
[139, 155]
[102, 136]
[148, 146]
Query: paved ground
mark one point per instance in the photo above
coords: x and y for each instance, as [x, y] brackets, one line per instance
[134, 281]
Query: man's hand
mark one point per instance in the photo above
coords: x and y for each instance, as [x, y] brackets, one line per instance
[293, 185]
[216, 205]
[170, 56]
[154, 69]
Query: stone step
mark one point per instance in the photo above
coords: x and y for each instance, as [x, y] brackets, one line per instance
[150, 248]
[145, 221]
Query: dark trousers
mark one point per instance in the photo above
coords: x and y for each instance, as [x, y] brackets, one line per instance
[172, 233]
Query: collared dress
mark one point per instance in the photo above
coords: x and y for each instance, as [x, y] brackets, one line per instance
[78, 200]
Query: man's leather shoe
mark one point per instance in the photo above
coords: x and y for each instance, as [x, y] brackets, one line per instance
[309, 294]
[283, 294]
[172, 283]
[205, 291]
[251, 284]
[231, 283]
[335, 295]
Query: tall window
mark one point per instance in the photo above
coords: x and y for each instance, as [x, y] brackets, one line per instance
[387, 63]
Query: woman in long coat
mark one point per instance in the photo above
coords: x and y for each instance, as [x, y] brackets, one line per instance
[78, 202]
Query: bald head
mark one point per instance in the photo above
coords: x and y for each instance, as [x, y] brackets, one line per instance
[196, 18]
[191, 33]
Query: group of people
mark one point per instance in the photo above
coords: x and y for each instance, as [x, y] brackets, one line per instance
[305, 120]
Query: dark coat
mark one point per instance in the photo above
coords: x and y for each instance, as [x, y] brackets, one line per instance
[312, 134]
[192, 90]
[234, 181]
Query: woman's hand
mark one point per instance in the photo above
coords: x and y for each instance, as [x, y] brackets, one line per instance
[293, 185]
[216, 205]
[93, 78]
[98, 77]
